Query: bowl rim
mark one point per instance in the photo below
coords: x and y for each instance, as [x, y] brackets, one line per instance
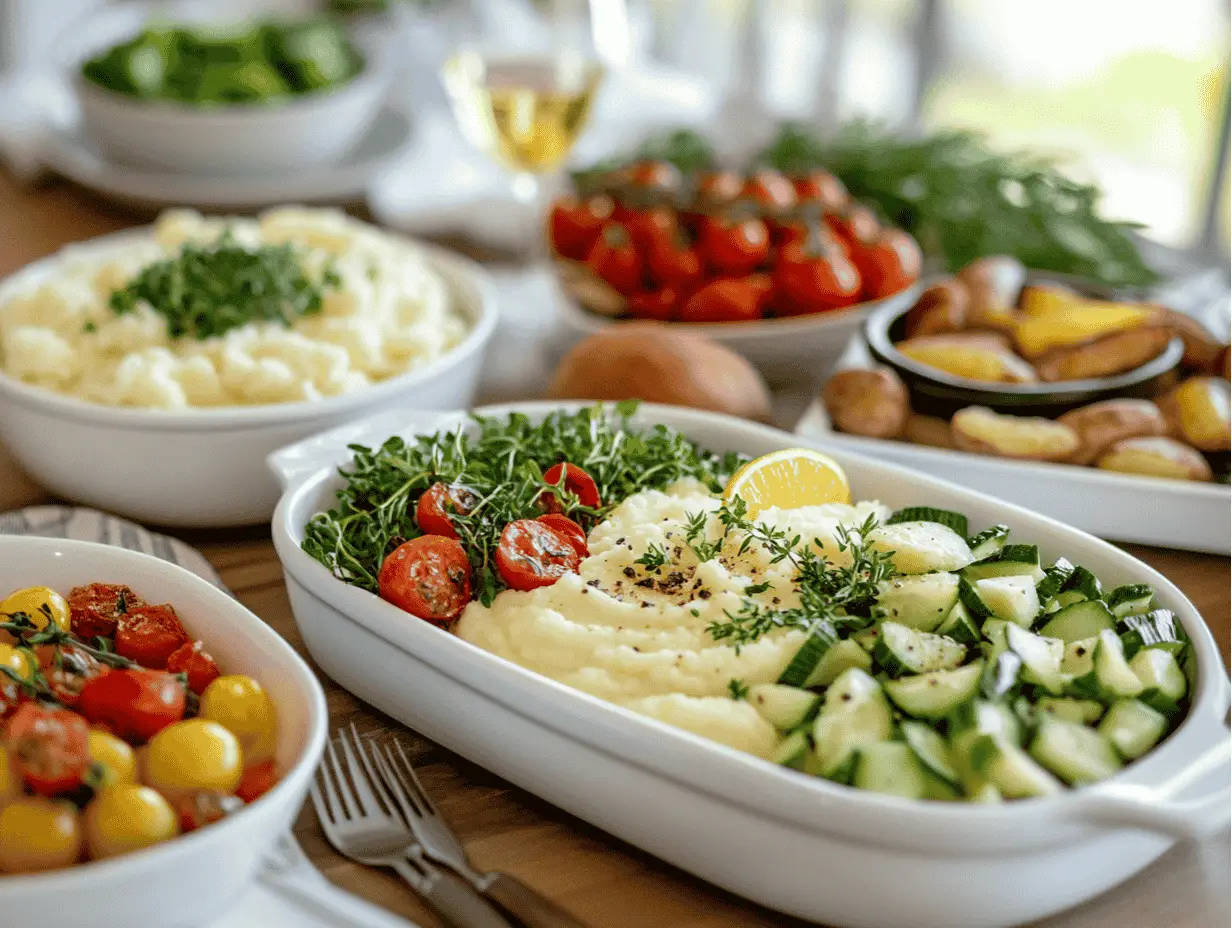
[459, 273]
[769, 789]
[877, 336]
[102, 872]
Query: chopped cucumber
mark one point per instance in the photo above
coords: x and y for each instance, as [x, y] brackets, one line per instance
[1055, 578]
[784, 707]
[1133, 727]
[921, 602]
[1012, 770]
[921, 547]
[1112, 670]
[1067, 709]
[1158, 628]
[987, 718]
[938, 789]
[995, 638]
[855, 714]
[792, 750]
[935, 695]
[1041, 658]
[1133, 599]
[970, 600]
[951, 520]
[988, 543]
[1083, 583]
[1075, 753]
[1069, 597]
[889, 767]
[1162, 680]
[960, 626]
[902, 650]
[1084, 619]
[866, 638]
[1079, 657]
[820, 640]
[1001, 675]
[986, 795]
[841, 657]
[1010, 561]
[930, 750]
[1011, 598]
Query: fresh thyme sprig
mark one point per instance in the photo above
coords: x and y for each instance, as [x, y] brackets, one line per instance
[654, 558]
[31, 635]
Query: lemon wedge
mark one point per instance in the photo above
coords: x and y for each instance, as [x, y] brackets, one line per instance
[789, 479]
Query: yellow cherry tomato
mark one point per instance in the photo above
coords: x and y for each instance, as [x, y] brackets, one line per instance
[38, 834]
[126, 818]
[191, 756]
[40, 603]
[116, 759]
[20, 660]
[240, 705]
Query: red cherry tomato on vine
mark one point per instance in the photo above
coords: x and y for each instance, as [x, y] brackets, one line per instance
[67, 670]
[823, 188]
[811, 279]
[577, 482]
[771, 191]
[729, 299]
[433, 507]
[429, 577]
[889, 264]
[532, 554]
[854, 225]
[719, 188]
[135, 704]
[574, 224]
[614, 258]
[660, 305]
[672, 262]
[257, 780]
[149, 635]
[649, 227]
[199, 667]
[570, 529]
[733, 246]
[50, 748]
[657, 176]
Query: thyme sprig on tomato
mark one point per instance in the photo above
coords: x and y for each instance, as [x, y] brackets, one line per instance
[501, 463]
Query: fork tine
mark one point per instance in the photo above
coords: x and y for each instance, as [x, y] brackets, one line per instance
[395, 783]
[346, 807]
[417, 788]
[364, 796]
[374, 778]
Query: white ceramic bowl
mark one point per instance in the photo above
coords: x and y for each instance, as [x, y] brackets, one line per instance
[796, 843]
[241, 138]
[192, 879]
[205, 468]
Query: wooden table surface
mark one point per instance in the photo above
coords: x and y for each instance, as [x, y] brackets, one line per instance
[604, 881]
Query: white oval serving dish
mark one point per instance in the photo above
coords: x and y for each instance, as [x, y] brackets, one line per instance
[193, 878]
[795, 843]
[205, 468]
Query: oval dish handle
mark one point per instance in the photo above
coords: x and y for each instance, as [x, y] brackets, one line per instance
[1153, 808]
[293, 463]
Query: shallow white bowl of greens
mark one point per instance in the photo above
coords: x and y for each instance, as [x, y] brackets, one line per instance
[800, 844]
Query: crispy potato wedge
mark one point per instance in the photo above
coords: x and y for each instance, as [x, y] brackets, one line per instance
[1113, 354]
[993, 284]
[1156, 457]
[1203, 350]
[1101, 425]
[1042, 299]
[1082, 322]
[928, 430]
[940, 308]
[964, 356]
[863, 401]
[1197, 413]
[983, 431]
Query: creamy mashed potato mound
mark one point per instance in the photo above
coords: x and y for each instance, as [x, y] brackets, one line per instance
[638, 638]
[392, 313]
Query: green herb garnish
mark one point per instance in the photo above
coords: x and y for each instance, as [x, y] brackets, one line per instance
[207, 290]
[654, 558]
[501, 462]
[737, 689]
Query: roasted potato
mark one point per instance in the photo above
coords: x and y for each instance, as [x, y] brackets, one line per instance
[1223, 364]
[1079, 323]
[940, 308]
[1156, 457]
[983, 431]
[867, 401]
[963, 356]
[1042, 299]
[1105, 357]
[1197, 413]
[993, 284]
[1202, 349]
[928, 430]
[1101, 425]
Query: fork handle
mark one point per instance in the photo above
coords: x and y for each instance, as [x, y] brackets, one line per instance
[456, 902]
[526, 905]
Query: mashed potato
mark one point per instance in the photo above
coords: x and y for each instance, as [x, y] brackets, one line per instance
[391, 314]
[639, 638]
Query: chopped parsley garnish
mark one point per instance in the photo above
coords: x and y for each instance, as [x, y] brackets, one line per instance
[737, 689]
[207, 290]
[501, 462]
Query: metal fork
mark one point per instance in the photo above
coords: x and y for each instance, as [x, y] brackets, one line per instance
[442, 845]
[361, 822]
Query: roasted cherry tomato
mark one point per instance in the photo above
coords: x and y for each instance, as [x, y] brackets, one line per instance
[41, 605]
[853, 225]
[196, 810]
[719, 188]
[533, 554]
[770, 191]
[672, 262]
[889, 264]
[730, 299]
[660, 305]
[574, 224]
[429, 577]
[577, 482]
[68, 669]
[135, 704]
[192, 660]
[649, 227]
[437, 502]
[614, 258]
[192, 756]
[810, 278]
[241, 706]
[96, 608]
[149, 635]
[823, 188]
[733, 246]
[127, 818]
[570, 529]
[258, 779]
[38, 834]
[50, 746]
